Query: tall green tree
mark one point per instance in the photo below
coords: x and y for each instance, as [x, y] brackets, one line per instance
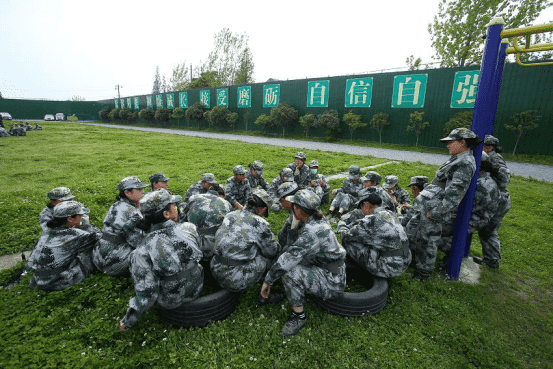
[284, 115]
[353, 121]
[180, 80]
[156, 89]
[416, 124]
[207, 79]
[245, 67]
[457, 30]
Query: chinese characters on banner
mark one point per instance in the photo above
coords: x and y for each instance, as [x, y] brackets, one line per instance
[204, 98]
[222, 97]
[359, 92]
[159, 101]
[116, 103]
[129, 103]
[409, 91]
[244, 97]
[317, 94]
[149, 101]
[465, 86]
[183, 100]
[122, 103]
[170, 101]
[136, 103]
[271, 96]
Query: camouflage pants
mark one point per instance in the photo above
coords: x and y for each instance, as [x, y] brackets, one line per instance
[489, 235]
[343, 201]
[424, 244]
[302, 280]
[326, 196]
[240, 278]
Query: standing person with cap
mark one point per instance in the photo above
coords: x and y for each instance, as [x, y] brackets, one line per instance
[121, 233]
[321, 180]
[255, 175]
[285, 175]
[245, 247]
[377, 241]
[345, 197]
[372, 180]
[237, 188]
[391, 186]
[64, 258]
[444, 194]
[300, 170]
[313, 264]
[164, 268]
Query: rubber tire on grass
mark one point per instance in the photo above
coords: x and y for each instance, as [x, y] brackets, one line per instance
[354, 304]
[202, 311]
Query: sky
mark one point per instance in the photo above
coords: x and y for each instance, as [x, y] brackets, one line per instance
[59, 49]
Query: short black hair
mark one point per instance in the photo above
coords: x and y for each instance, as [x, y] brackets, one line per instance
[373, 199]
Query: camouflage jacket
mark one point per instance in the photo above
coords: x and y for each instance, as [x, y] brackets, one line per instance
[287, 235]
[254, 182]
[273, 187]
[428, 198]
[197, 188]
[320, 177]
[237, 191]
[317, 189]
[486, 202]
[207, 213]
[120, 236]
[165, 269]
[351, 188]
[379, 243]
[402, 196]
[45, 216]
[3, 132]
[316, 245]
[300, 175]
[500, 173]
[347, 219]
[453, 177]
[54, 258]
[387, 202]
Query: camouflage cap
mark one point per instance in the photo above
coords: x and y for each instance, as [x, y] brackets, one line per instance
[257, 166]
[313, 163]
[157, 200]
[239, 169]
[390, 182]
[129, 183]
[287, 174]
[68, 208]
[365, 193]
[286, 188]
[209, 178]
[354, 172]
[459, 134]
[60, 193]
[300, 155]
[372, 176]
[263, 195]
[306, 199]
[491, 140]
[158, 177]
[418, 180]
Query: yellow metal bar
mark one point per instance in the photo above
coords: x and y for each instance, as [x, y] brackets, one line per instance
[522, 64]
[540, 28]
[517, 49]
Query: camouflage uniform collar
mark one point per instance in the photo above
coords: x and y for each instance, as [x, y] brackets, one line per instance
[130, 202]
[378, 210]
[249, 209]
[167, 224]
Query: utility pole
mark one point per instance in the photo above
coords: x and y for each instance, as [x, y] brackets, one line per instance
[117, 87]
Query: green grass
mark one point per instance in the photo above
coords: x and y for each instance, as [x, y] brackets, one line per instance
[503, 322]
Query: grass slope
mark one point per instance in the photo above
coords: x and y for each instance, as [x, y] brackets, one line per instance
[505, 321]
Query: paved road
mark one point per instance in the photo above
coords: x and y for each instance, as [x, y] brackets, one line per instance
[542, 172]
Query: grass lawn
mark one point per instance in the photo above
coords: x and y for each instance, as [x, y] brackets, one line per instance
[503, 322]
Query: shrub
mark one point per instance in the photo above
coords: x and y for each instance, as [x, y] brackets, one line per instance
[104, 114]
[378, 122]
[246, 118]
[217, 116]
[284, 115]
[331, 123]
[264, 121]
[460, 120]
[147, 114]
[415, 118]
[232, 118]
[132, 117]
[124, 115]
[307, 121]
[524, 122]
[114, 115]
[195, 112]
[162, 115]
[177, 114]
[353, 122]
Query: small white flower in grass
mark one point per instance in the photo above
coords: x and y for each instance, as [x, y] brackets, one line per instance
[282, 306]
[414, 349]
[145, 334]
[164, 339]
[251, 358]
[254, 359]
[251, 323]
[165, 331]
[130, 343]
[262, 316]
[144, 343]
[82, 353]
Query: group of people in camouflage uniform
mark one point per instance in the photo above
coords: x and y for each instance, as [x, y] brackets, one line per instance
[166, 243]
[18, 129]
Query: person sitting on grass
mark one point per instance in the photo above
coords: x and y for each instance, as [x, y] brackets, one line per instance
[237, 188]
[207, 184]
[255, 175]
[321, 180]
[299, 169]
[345, 197]
[245, 246]
[377, 242]
[287, 234]
[372, 180]
[391, 186]
[314, 186]
[122, 232]
[56, 196]
[164, 268]
[64, 258]
[313, 264]
[286, 175]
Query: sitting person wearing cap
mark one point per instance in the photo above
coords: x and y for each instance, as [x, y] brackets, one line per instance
[3, 132]
[313, 264]
[207, 211]
[245, 247]
[372, 180]
[418, 183]
[121, 233]
[287, 234]
[207, 184]
[314, 186]
[489, 236]
[56, 196]
[65, 256]
[300, 170]
[391, 186]
[38, 127]
[286, 175]
[321, 180]
[159, 180]
[377, 241]
[237, 188]
[445, 193]
[255, 175]
[164, 268]
[345, 197]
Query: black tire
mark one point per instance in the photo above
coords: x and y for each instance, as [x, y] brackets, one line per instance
[202, 311]
[350, 304]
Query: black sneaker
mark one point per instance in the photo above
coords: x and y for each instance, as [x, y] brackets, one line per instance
[477, 260]
[420, 276]
[273, 298]
[494, 264]
[293, 325]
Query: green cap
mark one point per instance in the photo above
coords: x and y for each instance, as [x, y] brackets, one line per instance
[128, 183]
[459, 134]
[158, 177]
[306, 199]
[68, 208]
[60, 193]
[157, 200]
[390, 182]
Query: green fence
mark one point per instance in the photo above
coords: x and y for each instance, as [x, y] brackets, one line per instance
[37, 109]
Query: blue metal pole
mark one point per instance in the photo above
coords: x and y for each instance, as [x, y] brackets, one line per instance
[486, 100]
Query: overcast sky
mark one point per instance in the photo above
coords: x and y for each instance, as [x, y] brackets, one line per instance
[58, 49]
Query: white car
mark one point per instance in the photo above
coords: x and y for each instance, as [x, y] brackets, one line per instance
[6, 116]
[49, 117]
[60, 116]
